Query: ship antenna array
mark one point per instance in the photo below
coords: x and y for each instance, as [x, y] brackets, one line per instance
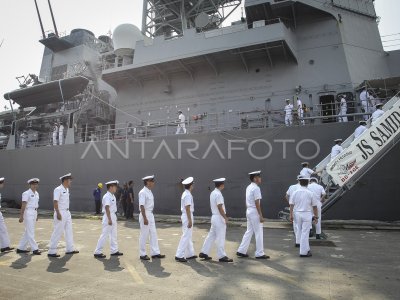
[52, 18]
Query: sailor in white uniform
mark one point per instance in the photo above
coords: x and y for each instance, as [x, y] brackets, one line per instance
[62, 218]
[181, 123]
[109, 222]
[61, 134]
[360, 129]
[147, 221]
[300, 110]
[343, 109]
[185, 249]
[337, 148]
[28, 216]
[377, 113]
[289, 193]
[288, 113]
[365, 98]
[254, 217]
[55, 134]
[302, 203]
[306, 171]
[218, 224]
[319, 191]
[4, 239]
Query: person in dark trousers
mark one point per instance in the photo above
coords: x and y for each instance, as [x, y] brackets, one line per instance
[129, 201]
[123, 197]
[97, 198]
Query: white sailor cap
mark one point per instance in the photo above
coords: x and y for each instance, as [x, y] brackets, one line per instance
[305, 163]
[299, 177]
[338, 140]
[314, 178]
[112, 182]
[379, 105]
[32, 180]
[305, 178]
[287, 100]
[188, 180]
[255, 173]
[222, 179]
[2, 179]
[66, 176]
[150, 177]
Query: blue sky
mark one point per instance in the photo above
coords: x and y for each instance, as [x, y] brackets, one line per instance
[21, 53]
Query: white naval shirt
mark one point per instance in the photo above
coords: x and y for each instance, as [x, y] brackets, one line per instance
[306, 172]
[181, 118]
[0, 200]
[291, 190]
[343, 103]
[299, 105]
[253, 193]
[336, 151]
[109, 199]
[61, 129]
[303, 200]
[376, 115]
[216, 198]
[187, 199]
[317, 189]
[364, 96]
[288, 109]
[146, 199]
[31, 198]
[61, 194]
[359, 130]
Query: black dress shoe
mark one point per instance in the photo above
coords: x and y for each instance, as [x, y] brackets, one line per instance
[204, 256]
[158, 256]
[21, 251]
[72, 252]
[6, 249]
[241, 254]
[307, 255]
[101, 255]
[317, 236]
[53, 255]
[226, 259]
[145, 257]
[180, 259]
[262, 257]
[117, 254]
[36, 252]
[192, 257]
[297, 245]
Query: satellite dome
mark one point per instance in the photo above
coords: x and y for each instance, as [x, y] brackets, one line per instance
[124, 39]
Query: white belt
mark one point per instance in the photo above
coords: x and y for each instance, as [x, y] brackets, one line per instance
[32, 208]
[64, 209]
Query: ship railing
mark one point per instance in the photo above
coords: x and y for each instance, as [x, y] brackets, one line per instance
[38, 139]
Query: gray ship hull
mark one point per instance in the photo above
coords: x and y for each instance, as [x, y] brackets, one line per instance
[278, 152]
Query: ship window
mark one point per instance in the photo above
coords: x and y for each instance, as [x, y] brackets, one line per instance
[327, 104]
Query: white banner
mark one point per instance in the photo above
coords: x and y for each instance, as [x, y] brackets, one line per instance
[352, 159]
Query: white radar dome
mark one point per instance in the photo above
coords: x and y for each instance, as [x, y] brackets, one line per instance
[124, 39]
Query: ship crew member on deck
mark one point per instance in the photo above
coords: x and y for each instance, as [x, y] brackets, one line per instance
[97, 197]
[306, 171]
[288, 113]
[62, 218]
[319, 191]
[55, 133]
[185, 249]
[300, 110]
[337, 148]
[23, 136]
[28, 216]
[343, 109]
[254, 217]
[218, 224]
[109, 222]
[147, 221]
[302, 203]
[377, 113]
[365, 106]
[289, 193]
[360, 129]
[61, 134]
[181, 123]
[4, 239]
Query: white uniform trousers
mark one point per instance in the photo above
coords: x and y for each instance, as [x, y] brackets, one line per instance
[343, 112]
[54, 138]
[62, 227]
[318, 225]
[145, 231]
[303, 220]
[297, 237]
[301, 115]
[108, 231]
[185, 247]
[288, 120]
[4, 239]
[364, 105]
[28, 237]
[61, 138]
[253, 226]
[217, 234]
[181, 128]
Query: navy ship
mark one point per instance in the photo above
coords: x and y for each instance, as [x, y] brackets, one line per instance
[118, 97]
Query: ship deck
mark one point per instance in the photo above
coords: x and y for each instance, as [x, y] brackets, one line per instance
[355, 264]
